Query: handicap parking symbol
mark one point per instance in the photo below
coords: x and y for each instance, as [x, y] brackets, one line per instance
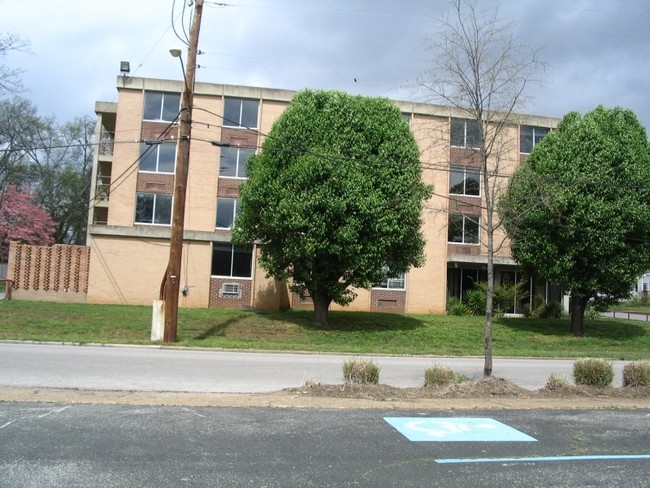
[456, 429]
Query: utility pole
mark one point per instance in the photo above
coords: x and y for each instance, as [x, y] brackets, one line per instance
[169, 288]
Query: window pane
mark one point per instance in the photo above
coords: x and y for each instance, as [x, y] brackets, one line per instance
[166, 157]
[228, 162]
[540, 132]
[457, 181]
[471, 231]
[397, 282]
[163, 209]
[231, 111]
[171, 105]
[455, 233]
[525, 139]
[225, 212]
[472, 182]
[221, 255]
[144, 208]
[152, 104]
[249, 113]
[147, 157]
[244, 154]
[473, 135]
[457, 132]
[242, 259]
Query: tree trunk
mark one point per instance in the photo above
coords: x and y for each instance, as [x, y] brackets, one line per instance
[489, 298]
[578, 306]
[321, 309]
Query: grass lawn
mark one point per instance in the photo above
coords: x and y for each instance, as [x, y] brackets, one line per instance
[348, 332]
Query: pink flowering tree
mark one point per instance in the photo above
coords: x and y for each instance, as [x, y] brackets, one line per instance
[23, 220]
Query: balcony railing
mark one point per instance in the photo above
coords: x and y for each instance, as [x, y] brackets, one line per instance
[106, 143]
[103, 189]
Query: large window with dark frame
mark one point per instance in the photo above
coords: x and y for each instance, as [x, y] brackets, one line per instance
[463, 229]
[231, 261]
[233, 162]
[227, 210]
[465, 181]
[158, 158]
[529, 137]
[162, 106]
[240, 112]
[465, 133]
[153, 208]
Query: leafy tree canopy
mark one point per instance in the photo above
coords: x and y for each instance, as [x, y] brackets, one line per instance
[335, 197]
[578, 210]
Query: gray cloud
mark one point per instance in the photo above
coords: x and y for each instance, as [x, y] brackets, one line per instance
[597, 50]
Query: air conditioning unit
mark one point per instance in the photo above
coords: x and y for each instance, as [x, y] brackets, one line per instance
[232, 290]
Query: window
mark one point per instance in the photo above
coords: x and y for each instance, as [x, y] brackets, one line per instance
[232, 261]
[463, 230]
[153, 208]
[161, 106]
[160, 158]
[240, 112]
[529, 137]
[407, 117]
[465, 181]
[233, 162]
[465, 133]
[227, 210]
[396, 283]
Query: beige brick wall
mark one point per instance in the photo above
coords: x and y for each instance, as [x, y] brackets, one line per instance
[129, 271]
[126, 151]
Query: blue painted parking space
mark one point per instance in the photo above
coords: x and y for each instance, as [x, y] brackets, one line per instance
[456, 429]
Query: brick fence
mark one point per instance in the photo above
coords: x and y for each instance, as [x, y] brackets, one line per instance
[53, 273]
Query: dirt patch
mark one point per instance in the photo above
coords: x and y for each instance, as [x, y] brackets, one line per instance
[493, 393]
[484, 389]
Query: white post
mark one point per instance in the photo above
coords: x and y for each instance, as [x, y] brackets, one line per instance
[158, 320]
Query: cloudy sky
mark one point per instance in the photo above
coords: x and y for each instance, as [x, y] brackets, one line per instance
[598, 51]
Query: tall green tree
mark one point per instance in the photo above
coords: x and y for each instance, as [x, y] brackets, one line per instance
[578, 210]
[335, 197]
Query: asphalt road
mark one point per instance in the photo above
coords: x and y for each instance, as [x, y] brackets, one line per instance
[166, 369]
[61, 445]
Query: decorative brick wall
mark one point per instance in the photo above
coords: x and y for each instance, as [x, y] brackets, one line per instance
[387, 300]
[218, 301]
[43, 272]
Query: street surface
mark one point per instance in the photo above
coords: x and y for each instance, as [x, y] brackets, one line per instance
[167, 369]
[75, 445]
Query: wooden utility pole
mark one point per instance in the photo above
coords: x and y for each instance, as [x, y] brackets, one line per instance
[170, 286]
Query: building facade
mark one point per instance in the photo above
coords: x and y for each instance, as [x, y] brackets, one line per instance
[133, 179]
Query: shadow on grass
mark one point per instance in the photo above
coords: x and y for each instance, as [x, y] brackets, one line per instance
[601, 329]
[218, 329]
[341, 321]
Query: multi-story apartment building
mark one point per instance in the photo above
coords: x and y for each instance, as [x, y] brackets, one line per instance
[133, 176]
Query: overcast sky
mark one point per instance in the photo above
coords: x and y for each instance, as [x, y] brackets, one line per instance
[598, 51]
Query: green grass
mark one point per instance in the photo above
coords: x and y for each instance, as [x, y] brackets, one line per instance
[349, 332]
[632, 306]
